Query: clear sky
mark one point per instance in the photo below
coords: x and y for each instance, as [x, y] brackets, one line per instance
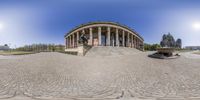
[46, 21]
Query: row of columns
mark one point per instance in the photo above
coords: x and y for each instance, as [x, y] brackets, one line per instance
[99, 35]
[135, 42]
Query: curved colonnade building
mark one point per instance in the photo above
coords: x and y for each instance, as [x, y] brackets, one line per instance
[104, 34]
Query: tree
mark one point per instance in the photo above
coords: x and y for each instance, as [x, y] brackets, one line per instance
[149, 47]
[41, 47]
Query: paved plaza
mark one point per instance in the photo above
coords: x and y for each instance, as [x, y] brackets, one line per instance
[58, 76]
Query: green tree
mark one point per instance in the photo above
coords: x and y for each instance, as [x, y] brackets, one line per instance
[151, 47]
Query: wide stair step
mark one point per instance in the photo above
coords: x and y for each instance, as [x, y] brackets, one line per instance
[111, 51]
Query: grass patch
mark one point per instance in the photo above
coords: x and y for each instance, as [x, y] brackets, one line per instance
[5, 53]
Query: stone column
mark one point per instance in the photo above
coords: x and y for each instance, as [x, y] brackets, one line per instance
[108, 36]
[138, 43]
[66, 43]
[117, 37]
[91, 37]
[99, 35]
[77, 38]
[123, 39]
[70, 41]
[142, 45]
[131, 40]
[73, 42]
[134, 42]
[128, 40]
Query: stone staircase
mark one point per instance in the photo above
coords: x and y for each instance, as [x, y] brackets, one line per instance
[111, 51]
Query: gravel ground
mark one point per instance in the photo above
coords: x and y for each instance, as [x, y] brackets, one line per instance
[59, 76]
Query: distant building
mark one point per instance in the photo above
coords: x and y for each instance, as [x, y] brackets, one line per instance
[4, 47]
[193, 47]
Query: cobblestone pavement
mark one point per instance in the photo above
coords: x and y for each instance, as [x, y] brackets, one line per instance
[59, 76]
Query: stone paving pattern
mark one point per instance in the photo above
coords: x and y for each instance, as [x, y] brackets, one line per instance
[127, 77]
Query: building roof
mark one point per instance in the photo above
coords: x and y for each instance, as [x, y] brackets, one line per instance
[111, 23]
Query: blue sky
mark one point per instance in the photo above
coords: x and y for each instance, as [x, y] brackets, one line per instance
[46, 21]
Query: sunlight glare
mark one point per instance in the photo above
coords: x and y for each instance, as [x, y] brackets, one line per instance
[196, 26]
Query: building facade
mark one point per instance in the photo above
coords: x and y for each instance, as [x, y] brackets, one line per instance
[192, 47]
[104, 34]
[4, 48]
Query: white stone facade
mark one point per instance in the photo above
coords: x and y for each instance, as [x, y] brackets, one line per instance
[105, 34]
